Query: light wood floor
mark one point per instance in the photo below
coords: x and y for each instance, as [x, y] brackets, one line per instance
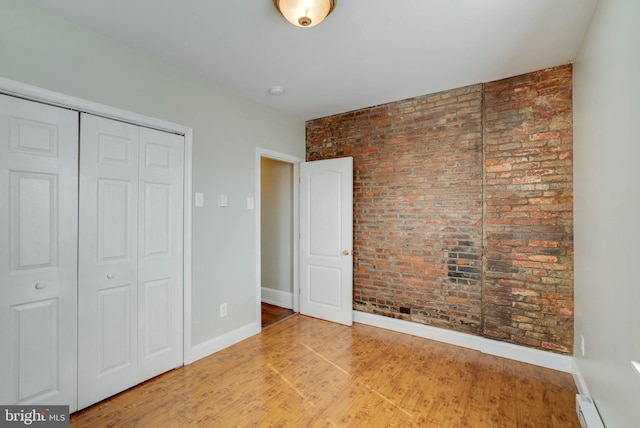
[303, 372]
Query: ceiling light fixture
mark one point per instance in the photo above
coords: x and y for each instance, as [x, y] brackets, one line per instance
[305, 13]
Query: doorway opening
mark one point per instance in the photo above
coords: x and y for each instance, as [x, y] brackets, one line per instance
[277, 227]
[272, 314]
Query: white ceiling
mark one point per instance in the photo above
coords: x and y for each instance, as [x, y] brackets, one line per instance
[367, 52]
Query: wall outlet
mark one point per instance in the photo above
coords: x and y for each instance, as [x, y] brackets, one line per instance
[582, 344]
[223, 310]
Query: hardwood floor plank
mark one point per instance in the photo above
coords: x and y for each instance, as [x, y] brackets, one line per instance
[307, 372]
[272, 314]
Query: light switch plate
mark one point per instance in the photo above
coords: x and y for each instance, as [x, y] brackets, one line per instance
[223, 200]
[199, 199]
[250, 204]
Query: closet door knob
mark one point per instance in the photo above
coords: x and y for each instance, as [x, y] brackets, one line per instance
[110, 276]
[40, 285]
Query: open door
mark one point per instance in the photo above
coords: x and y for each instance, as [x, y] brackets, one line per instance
[326, 239]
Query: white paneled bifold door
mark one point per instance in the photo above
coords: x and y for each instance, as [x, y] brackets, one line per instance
[91, 254]
[38, 253]
[130, 256]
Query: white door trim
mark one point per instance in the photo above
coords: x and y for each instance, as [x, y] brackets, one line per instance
[295, 161]
[34, 93]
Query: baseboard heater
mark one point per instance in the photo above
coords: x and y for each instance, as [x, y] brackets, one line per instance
[587, 413]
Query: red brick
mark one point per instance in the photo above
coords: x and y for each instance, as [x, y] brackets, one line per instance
[541, 123]
[419, 182]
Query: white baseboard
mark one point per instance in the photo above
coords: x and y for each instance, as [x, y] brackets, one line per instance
[277, 297]
[581, 384]
[523, 354]
[209, 347]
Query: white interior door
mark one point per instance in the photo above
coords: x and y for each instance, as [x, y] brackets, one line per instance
[130, 264]
[326, 239]
[38, 253]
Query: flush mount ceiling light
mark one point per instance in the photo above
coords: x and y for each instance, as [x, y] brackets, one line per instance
[305, 13]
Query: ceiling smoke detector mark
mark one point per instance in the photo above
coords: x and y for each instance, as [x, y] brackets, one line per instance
[276, 91]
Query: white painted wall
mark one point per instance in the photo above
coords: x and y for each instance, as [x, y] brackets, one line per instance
[42, 50]
[607, 210]
[277, 224]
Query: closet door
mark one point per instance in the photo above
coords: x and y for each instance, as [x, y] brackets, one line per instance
[160, 252]
[130, 264]
[38, 253]
[108, 258]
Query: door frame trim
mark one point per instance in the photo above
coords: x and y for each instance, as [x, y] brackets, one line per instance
[34, 93]
[295, 162]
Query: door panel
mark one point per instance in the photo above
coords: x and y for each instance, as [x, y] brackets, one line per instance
[325, 215]
[107, 292]
[114, 220]
[160, 254]
[131, 256]
[114, 334]
[326, 222]
[33, 220]
[33, 137]
[157, 237]
[157, 320]
[35, 323]
[325, 286]
[38, 250]
[116, 150]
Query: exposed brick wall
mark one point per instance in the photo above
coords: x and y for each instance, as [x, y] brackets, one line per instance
[419, 181]
[528, 213]
[417, 204]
